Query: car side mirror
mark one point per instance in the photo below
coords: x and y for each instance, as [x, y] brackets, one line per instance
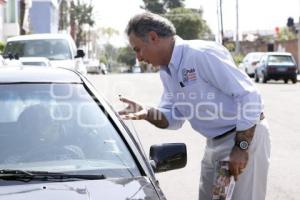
[80, 53]
[165, 157]
[254, 63]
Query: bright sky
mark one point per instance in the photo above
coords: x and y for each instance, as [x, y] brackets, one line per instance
[253, 14]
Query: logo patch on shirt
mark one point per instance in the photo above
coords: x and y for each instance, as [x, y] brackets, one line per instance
[189, 75]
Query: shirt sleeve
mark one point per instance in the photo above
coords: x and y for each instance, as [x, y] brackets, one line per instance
[219, 70]
[166, 106]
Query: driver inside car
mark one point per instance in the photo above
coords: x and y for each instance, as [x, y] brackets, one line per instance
[41, 138]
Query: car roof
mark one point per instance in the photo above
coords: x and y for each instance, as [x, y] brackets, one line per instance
[279, 53]
[39, 36]
[34, 74]
[256, 52]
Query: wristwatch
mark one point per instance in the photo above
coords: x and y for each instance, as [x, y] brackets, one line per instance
[243, 144]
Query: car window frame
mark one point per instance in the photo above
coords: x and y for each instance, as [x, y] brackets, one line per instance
[89, 87]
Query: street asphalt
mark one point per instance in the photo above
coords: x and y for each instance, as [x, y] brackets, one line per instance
[282, 109]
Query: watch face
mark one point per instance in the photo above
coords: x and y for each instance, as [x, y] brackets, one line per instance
[244, 145]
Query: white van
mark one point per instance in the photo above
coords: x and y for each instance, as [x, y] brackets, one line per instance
[60, 49]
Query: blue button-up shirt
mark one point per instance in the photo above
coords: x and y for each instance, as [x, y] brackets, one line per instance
[203, 85]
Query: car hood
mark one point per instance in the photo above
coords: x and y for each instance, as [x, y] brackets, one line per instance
[108, 189]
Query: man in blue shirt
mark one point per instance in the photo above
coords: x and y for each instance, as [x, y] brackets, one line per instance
[203, 85]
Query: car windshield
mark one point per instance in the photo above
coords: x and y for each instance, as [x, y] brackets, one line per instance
[53, 49]
[280, 60]
[59, 128]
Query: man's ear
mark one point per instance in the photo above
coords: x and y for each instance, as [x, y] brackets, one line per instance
[153, 37]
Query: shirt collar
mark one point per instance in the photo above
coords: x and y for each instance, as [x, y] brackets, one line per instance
[177, 52]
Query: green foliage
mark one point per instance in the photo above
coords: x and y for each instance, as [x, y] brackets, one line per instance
[286, 34]
[126, 55]
[111, 53]
[238, 58]
[170, 4]
[63, 15]
[230, 46]
[154, 6]
[189, 23]
[108, 31]
[2, 45]
[103, 59]
[81, 13]
[161, 7]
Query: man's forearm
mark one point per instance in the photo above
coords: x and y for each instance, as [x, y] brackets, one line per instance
[245, 135]
[157, 118]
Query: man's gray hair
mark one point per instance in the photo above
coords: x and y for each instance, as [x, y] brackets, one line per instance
[143, 23]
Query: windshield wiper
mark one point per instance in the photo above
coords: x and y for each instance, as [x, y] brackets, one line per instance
[26, 176]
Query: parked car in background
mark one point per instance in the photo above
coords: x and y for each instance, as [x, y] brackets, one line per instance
[276, 66]
[250, 62]
[60, 49]
[59, 139]
[94, 66]
[136, 69]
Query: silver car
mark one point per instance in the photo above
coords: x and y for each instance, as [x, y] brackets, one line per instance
[60, 140]
[250, 62]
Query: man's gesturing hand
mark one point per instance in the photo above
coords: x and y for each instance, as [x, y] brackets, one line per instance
[133, 110]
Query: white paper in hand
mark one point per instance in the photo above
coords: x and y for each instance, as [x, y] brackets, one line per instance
[223, 182]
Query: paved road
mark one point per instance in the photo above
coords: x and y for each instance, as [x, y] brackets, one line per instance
[282, 106]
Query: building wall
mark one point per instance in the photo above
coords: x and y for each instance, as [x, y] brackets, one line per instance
[44, 16]
[40, 17]
[288, 46]
[10, 19]
[285, 46]
[247, 46]
[1, 23]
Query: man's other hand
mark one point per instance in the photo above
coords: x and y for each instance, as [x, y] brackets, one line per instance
[238, 161]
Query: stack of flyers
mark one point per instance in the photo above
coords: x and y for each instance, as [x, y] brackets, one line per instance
[223, 182]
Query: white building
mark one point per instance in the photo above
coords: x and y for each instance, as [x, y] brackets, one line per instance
[9, 25]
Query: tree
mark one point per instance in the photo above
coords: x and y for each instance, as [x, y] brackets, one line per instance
[63, 15]
[82, 14]
[189, 23]
[170, 4]
[126, 55]
[107, 33]
[111, 54]
[154, 6]
[285, 34]
[161, 6]
[22, 13]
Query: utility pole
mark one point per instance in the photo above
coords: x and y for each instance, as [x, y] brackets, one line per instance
[218, 19]
[237, 42]
[221, 21]
[298, 36]
[22, 15]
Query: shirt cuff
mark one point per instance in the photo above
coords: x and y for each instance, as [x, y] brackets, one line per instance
[175, 119]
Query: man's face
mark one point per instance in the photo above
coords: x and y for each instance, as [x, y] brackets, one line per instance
[145, 50]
